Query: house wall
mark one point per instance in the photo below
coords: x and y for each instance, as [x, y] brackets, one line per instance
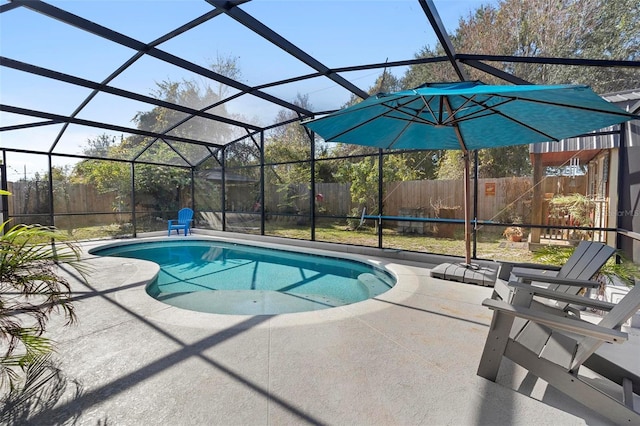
[628, 213]
[614, 193]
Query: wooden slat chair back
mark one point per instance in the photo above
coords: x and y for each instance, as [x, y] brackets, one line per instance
[585, 262]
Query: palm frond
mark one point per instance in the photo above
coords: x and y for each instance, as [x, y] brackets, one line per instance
[31, 290]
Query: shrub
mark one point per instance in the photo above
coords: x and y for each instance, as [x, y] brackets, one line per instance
[31, 291]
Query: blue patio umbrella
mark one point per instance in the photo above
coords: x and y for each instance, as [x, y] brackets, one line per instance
[467, 116]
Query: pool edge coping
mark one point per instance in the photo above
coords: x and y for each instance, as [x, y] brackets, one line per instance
[134, 297]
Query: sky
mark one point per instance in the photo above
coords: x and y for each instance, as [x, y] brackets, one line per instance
[337, 33]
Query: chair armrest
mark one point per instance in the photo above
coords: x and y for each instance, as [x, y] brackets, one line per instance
[530, 266]
[556, 322]
[528, 278]
[563, 297]
[507, 267]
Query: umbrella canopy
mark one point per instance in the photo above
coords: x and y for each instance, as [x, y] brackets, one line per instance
[469, 116]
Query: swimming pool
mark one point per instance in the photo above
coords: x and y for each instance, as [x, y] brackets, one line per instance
[231, 278]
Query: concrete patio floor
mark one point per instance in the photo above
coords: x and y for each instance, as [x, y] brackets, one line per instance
[408, 357]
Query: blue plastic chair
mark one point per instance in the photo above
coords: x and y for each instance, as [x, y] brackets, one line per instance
[185, 216]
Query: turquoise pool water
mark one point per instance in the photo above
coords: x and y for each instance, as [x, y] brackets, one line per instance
[229, 278]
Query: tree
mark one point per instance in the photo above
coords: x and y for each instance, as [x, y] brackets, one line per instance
[288, 147]
[419, 74]
[100, 146]
[289, 142]
[492, 163]
[451, 166]
[107, 176]
[385, 83]
[507, 161]
[362, 174]
[162, 186]
[363, 177]
[592, 29]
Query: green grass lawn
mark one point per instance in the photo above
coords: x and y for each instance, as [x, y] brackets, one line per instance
[489, 246]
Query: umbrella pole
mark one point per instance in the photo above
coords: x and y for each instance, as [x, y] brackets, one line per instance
[467, 208]
[467, 184]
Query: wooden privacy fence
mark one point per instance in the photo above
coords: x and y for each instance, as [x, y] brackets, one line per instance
[31, 198]
[331, 198]
[335, 197]
[501, 200]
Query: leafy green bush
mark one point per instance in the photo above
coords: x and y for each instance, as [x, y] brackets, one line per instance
[579, 207]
